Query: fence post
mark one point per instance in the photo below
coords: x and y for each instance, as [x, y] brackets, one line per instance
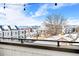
[58, 43]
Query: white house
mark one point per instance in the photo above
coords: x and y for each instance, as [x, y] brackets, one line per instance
[7, 32]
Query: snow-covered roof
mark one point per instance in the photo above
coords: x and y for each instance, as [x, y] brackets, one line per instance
[5, 27]
[13, 27]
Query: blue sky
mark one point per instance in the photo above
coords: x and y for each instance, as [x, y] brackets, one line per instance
[68, 10]
[41, 10]
[35, 13]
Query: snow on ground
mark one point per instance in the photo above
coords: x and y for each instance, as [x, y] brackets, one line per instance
[59, 37]
[65, 37]
[53, 38]
[45, 42]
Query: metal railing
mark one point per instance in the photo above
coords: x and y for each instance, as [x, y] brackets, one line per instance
[58, 42]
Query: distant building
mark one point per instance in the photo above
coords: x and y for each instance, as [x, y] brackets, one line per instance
[70, 29]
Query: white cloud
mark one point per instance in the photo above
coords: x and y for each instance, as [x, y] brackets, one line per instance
[60, 5]
[73, 21]
[41, 11]
[14, 16]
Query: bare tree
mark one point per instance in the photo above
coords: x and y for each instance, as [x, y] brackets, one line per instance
[54, 24]
[77, 29]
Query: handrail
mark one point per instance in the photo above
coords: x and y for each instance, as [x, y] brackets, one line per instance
[58, 41]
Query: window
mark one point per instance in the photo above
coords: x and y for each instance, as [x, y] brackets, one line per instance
[7, 33]
[21, 36]
[15, 32]
[0, 34]
[22, 32]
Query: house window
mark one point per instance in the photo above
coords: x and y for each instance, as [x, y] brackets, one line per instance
[7, 33]
[22, 37]
[15, 32]
[22, 32]
[0, 34]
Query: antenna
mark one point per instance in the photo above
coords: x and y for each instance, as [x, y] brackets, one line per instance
[24, 7]
[24, 4]
[4, 6]
[55, 4]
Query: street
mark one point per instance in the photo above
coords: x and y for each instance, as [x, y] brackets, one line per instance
[9, 50]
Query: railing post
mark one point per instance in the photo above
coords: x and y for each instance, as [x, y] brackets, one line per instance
[58, 43]
[2, 35]
[21, 41]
